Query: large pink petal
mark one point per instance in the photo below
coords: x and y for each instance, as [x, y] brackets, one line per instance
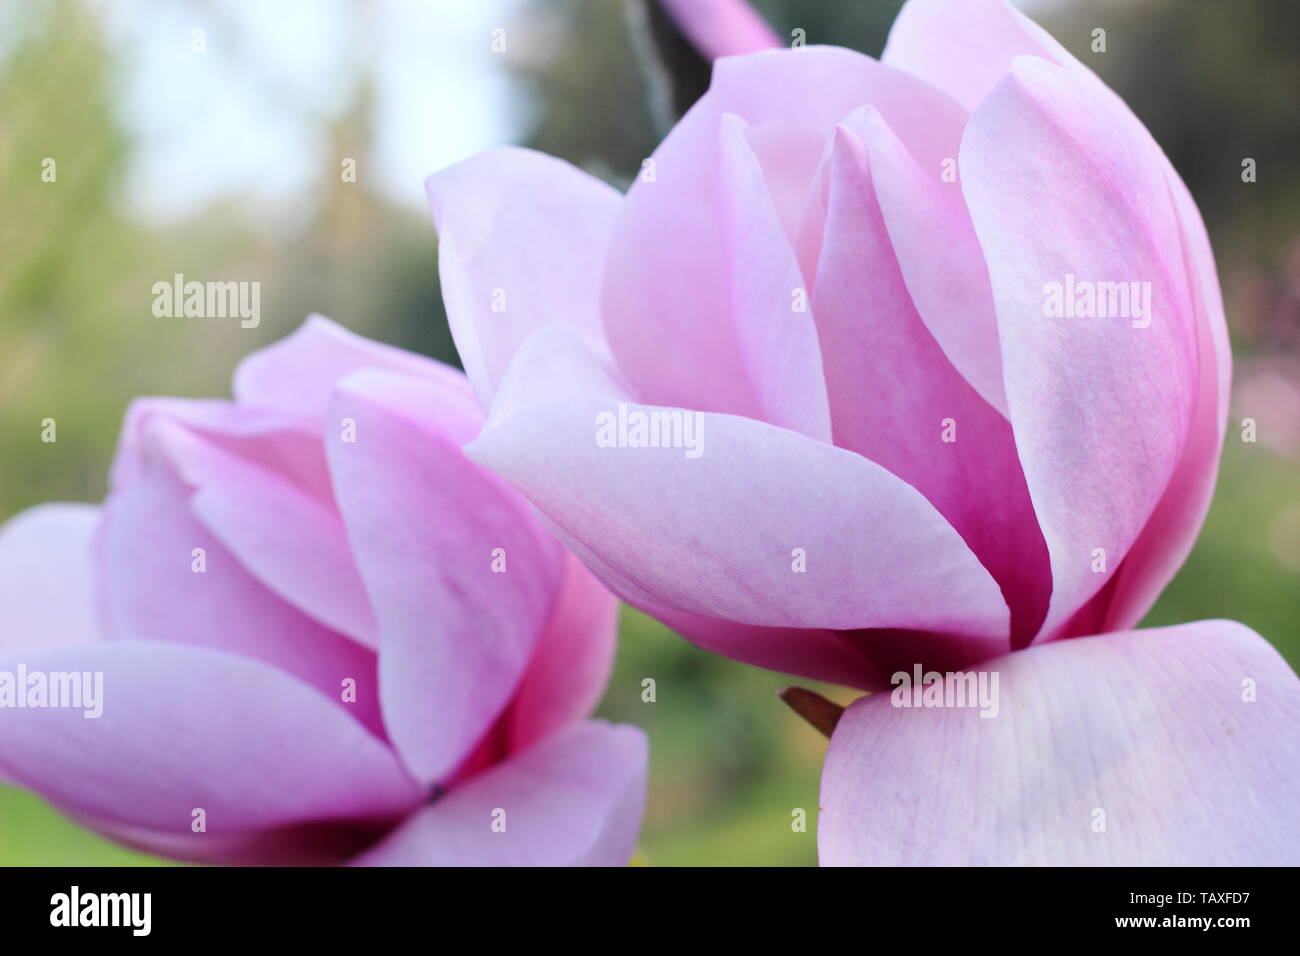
[553, 366]
[296, 374]
[1171, 531]
[279, 441]
[670, 277]
[575, 799]
[425, 523]
[947, 281]
[721, 27]
[262, 487]
[152, 592]
[320, 843]
[571, 662]
[47, 583]
[521, 238]
[894, 394]
[778, 344]
[184, 728]
[816, 653]
[715, 535]
[964, 47]
[789, 157]
[1151, 728]
[1062, 181]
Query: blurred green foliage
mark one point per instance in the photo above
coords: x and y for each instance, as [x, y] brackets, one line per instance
[1214, 82]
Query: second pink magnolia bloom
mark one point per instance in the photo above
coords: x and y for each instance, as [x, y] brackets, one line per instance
[321, 626]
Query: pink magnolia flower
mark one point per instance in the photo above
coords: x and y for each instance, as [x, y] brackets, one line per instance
[930, 357]
[323, 634]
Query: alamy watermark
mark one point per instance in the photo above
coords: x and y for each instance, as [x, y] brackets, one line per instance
[211, 300]
[951, 689]
[133, 911]
[1083, 299]
[75, 690]
[656, 428]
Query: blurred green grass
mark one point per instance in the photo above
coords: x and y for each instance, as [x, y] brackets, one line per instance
[32, 834]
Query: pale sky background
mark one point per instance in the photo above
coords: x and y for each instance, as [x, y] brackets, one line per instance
[244, 118]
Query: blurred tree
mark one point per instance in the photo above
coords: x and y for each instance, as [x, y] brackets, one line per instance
[361, 260]
[1215, 83]
[589, 101]
[61, 244]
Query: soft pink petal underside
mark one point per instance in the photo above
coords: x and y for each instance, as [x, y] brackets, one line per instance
[187, 728]
[638, 519]
[574, 799]
[261, 486]
[964, 47]
[1171, 531]
[521, 239]
[898, 400]
[296, 374]
[778, 343]
[47, 584]
[157, 589]
[427, 526]
[1100, 405]
[1135, 748]
[572, 660]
